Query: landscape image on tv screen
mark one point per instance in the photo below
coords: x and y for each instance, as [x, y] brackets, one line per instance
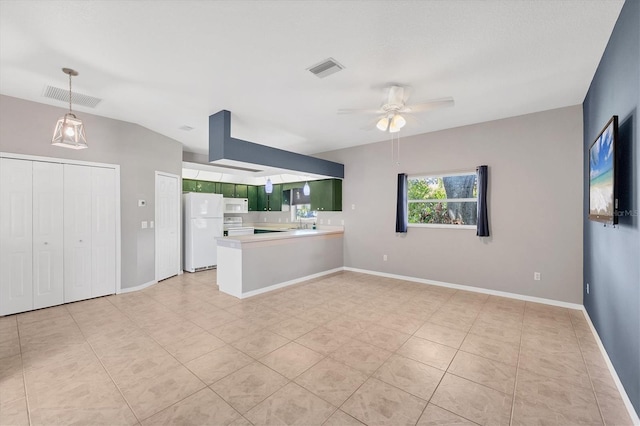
[601, 175]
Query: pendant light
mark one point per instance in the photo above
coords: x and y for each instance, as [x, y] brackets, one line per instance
[69, 131]
[305, 189]
[268, 187]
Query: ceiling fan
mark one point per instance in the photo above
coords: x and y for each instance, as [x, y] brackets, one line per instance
[392, 110]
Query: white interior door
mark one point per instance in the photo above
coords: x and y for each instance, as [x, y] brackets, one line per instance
[16, 267]
[103, 231]
[77, 232]
[167, 225]
[47, 234]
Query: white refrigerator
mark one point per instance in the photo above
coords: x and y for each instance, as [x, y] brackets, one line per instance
[203, 217]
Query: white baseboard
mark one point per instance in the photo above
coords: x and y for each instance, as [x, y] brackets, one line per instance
[612, 370]
[288, 283]
[470, 288]
[138, 287]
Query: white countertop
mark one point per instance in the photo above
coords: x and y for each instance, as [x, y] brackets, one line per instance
[295, 233]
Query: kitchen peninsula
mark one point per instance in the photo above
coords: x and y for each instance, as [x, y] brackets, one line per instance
[253, 264]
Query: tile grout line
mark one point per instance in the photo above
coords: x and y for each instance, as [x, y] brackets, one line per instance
[24, 375]
[593, 389]
[515, 381]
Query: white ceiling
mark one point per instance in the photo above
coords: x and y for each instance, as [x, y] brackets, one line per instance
[165, 64]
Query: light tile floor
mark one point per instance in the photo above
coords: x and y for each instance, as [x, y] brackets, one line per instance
[346, 349]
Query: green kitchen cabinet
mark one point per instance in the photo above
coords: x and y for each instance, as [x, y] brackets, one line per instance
[228, 190]
[241, 191]
[188, 185]
[326, 195]
[270, 202]
[252, 195]
[275, 198]
[207, 187]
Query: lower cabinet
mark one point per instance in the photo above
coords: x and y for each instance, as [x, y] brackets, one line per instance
[57, 233]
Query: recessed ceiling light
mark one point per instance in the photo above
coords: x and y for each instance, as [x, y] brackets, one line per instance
[186, 128]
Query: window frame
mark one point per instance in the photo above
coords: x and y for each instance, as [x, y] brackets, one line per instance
[454, 200]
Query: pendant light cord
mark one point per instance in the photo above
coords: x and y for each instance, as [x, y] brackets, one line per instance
[70, 94]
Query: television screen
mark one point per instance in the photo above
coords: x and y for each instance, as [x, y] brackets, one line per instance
[602, 171]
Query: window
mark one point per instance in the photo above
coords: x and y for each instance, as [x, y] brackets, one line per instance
[448, 200]
[303, 211]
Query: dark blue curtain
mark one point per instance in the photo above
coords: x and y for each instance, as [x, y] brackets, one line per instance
[402, 217]
[483, 217]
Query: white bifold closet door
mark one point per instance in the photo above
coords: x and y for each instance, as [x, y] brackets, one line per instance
[103, 231]
[16, 266]
[89, 232]
[47, 234]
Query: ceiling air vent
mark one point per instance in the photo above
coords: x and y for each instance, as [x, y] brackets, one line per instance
[186, 128]
[63, 95]
[327, 67]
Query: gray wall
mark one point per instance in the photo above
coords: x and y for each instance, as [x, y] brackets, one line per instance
[611, 255]
[26, 128]
[535, 206]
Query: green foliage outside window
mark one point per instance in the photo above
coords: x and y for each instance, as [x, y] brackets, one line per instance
[433, 200]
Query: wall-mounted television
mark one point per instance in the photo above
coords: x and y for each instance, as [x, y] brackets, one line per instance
[603, 195]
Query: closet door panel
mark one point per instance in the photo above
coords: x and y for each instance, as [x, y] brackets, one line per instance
[48, 234]
[103, 232]
[16, 266]
[77, 232]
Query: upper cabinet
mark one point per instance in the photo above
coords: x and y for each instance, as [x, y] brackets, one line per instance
[270, 202]
[326, 195]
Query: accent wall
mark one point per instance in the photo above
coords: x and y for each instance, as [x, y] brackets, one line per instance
[612, 254]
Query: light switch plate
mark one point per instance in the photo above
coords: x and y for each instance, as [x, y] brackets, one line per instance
[144, 224]
[151, 224]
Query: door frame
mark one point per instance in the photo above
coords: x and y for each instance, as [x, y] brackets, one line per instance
[179, 216]
[116, 167]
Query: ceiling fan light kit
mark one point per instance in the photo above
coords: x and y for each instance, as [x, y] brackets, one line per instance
[391, 112]
[69, 130]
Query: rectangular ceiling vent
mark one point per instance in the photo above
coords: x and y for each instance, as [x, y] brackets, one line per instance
[186, 128]
[63, 95]
[327, 67]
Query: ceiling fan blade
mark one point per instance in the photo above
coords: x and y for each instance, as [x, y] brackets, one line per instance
[430, 105]
[359, 111]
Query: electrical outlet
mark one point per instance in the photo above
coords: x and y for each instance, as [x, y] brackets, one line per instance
[587, 288]
[384, 257]
[144, 224]
[328, 221]
[342, 222]
[279, 220]
[536, 276]
[151, 224]
[353, 206]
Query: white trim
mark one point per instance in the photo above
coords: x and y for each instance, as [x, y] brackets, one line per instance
[612, 370]
[441, 226]
[469, 288]
[442, 174]
[288, 283]
[57, 160]
[138, 287]
[116, 168]
[178, 269]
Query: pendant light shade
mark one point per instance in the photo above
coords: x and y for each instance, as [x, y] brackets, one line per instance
[305, 189]
[69, 131]
[268, 187]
